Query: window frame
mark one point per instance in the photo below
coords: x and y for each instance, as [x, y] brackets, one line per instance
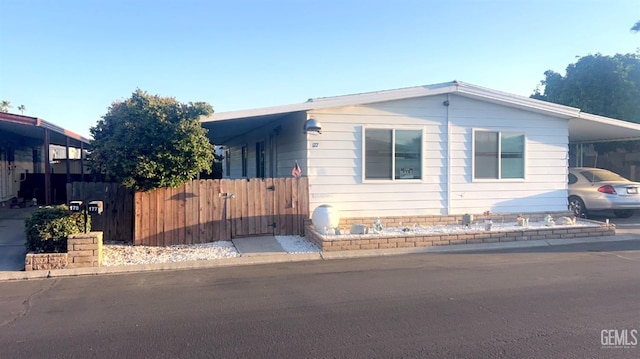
[244, 155]
[500, 154]
[393, 130]
[261, 159]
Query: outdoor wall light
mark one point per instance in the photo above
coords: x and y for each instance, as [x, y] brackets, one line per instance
[312, 126]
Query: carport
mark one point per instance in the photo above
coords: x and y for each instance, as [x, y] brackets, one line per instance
[587, 129]
[18, 131]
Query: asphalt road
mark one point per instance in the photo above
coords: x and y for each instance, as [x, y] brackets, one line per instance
[551, 302]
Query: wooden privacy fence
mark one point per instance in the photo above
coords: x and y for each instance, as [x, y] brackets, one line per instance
[116, 220]
[203, 211]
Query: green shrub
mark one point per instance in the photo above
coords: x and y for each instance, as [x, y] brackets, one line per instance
[48, 227]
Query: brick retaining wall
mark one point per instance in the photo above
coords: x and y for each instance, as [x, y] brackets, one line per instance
[397, 240]
[83, 250]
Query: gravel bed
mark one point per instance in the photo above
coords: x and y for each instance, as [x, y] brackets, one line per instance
[115, 254]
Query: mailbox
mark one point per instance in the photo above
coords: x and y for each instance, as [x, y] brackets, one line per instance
[75, 206]
[95, 207]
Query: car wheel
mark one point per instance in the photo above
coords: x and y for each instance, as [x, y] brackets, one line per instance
[623, 213]
[576, 205]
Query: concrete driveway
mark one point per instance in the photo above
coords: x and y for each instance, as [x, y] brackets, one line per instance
[629, 225]
[12, 238]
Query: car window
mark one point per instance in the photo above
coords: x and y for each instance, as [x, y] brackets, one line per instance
[572, 178]
[602, 175]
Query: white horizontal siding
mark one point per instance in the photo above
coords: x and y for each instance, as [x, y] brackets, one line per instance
[545, 183]
[335, 163]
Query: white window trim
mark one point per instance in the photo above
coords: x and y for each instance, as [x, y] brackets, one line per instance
[499, 179]
[393, 157]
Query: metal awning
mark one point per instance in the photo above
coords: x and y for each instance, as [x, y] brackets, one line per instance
[588, 128]
[35, 128]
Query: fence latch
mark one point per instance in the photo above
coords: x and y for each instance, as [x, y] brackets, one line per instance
[272, 225]
[271, 188]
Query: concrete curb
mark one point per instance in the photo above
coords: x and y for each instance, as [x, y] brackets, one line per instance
[476, 247]
[202, 264]
[301, 257]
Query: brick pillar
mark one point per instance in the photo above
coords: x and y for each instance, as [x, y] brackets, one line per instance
[85, 250]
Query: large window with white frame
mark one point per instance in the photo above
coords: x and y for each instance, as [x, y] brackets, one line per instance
[392, 154]
[498, 155]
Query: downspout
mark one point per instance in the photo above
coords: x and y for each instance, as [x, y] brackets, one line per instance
[447, 104]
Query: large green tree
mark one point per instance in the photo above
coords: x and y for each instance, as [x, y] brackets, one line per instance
[602, 85]
[148, 142]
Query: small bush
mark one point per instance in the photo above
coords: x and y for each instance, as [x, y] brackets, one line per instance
[48, 227]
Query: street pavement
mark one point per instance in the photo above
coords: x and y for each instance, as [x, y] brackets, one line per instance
[569, 301]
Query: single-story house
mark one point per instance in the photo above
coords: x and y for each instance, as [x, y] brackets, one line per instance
[27, 161]
[443, 149]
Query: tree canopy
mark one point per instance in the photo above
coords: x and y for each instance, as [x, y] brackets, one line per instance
[602, 85]
[636, 27]
[148, 142]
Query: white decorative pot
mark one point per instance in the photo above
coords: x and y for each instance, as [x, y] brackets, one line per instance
[325, 219]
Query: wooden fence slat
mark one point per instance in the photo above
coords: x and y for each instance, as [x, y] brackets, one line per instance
[261, 222]
[210, 228]
[160, 232]
[153, 216]
[171, 221]
[179, 206]
[295, 222]
[270, 205]
[145, 218]
[226, 216]
[252, 185]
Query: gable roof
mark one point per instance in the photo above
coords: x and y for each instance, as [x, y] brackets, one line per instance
[583, 127]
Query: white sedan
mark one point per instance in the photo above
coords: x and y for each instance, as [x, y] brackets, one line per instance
[592, 189]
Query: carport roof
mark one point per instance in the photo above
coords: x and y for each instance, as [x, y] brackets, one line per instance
[33, 127]
[583, 127]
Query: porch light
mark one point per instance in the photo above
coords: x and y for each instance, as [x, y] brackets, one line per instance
[312, 126]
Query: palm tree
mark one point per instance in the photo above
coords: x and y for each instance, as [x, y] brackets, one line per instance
[5, 105]
[21, 108]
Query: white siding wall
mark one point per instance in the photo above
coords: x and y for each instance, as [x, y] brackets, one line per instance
[284, 144]
[545, 185]
[335, 160]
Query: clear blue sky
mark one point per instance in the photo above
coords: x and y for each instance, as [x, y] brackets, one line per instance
[67, 61]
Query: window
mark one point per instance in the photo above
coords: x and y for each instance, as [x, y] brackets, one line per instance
[498, 155]
[245, 156]
[392, 154]
[260, 159]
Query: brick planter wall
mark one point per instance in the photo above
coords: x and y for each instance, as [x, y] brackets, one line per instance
[408, 240]
[41, 261]
[83, 250]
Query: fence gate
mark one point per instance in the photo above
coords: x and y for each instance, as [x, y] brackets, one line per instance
[203, 211]
[117, 220]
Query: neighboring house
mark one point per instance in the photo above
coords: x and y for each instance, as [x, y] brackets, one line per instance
[442, 149]
[25, 147]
